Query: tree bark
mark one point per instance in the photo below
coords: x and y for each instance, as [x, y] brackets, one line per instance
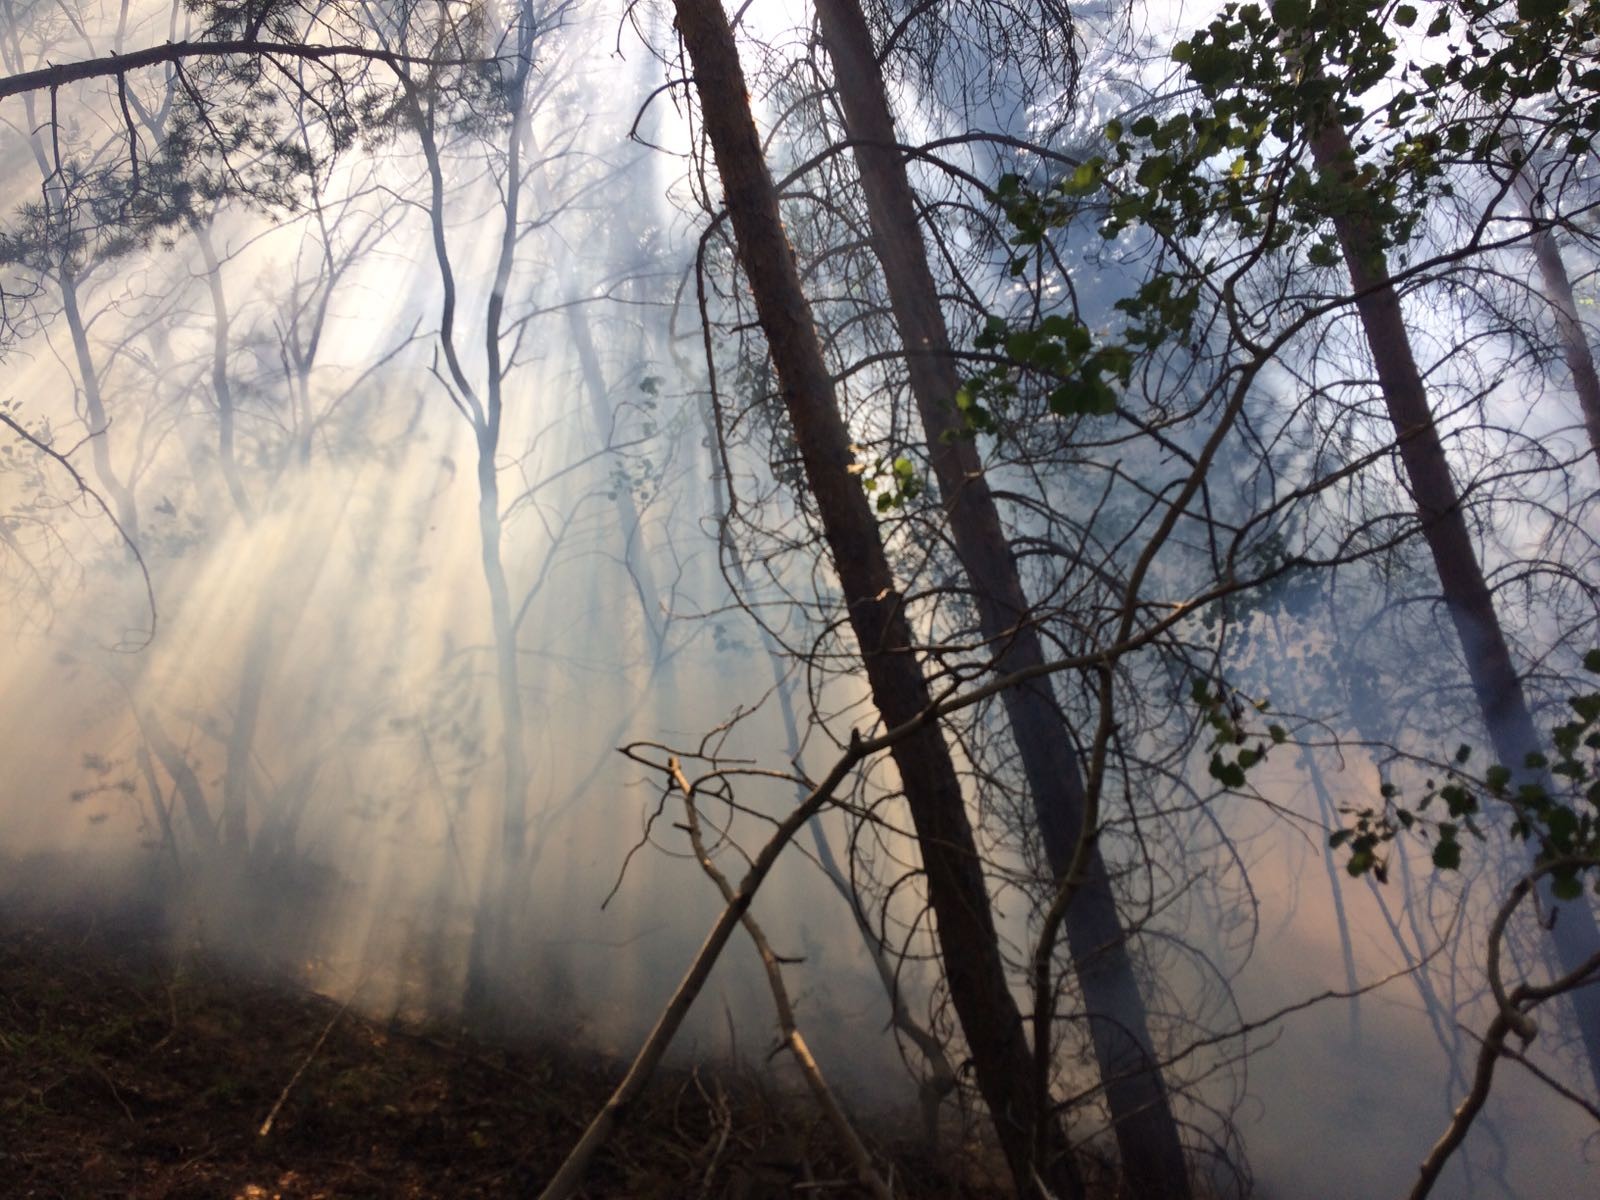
[1147, 1135]
[957, 892]
[1494, 677]
[1575, 347]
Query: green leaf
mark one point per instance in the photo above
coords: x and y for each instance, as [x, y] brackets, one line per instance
[1228, 774]
[1563, 824]
[1084, 180]
[1447, 854]
[1153, 170]
[1292, 14]
[1540, 10]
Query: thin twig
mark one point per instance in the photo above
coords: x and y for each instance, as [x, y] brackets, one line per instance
[793, 1040]
[266, 1126]
[83, 486]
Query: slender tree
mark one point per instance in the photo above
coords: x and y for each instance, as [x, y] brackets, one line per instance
[974, 970]
[1507, 715]
[1570, 333]
[1147, 1135]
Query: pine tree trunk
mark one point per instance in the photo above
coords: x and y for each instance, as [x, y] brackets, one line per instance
[957, 892]
[1147, 1135]
[1494, 677]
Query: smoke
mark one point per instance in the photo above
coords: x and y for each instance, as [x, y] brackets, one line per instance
[303, 766]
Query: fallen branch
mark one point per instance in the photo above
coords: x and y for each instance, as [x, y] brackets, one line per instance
[793, 1040]
[266, 1126]
[576, 1165]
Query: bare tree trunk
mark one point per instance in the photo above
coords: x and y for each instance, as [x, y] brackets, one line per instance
[242, 733]
[940, 1079]
[957, 891]
[635, 556]
[1558, 291]
[1466, 593]
[221, 385]
[491, 928]
[183, 777]
[94, 405]
[1147, 1135]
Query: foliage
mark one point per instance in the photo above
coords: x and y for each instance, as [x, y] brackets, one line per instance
[1554, 803]
[1227, 179]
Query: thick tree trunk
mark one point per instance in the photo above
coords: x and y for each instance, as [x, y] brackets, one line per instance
[1147, 1135]
[957, 892]
[940, 1078]
[1466, 593]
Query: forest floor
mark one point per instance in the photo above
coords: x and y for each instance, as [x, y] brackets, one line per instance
[127, 1072]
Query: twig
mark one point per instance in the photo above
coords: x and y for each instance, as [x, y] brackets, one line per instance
[83, 486]
[115, 1095]
[793, 1040]
[569, 1177]
[266, 1126]
[724, 1127]
[1549, 1080]
[1512, 1016]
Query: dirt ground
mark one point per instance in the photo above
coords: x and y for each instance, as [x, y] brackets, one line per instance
[128, 1072]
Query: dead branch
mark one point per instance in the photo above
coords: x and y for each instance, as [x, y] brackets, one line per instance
[83, 486]
[793, 1040]
[1513, 1015]
[266, 1126]
[576, 1165]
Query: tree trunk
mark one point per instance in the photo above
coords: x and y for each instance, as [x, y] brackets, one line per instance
[1558, 292]
[1466, 593]
[957, 892]
[492, 925]
[242, 734]
[183, 778]
[94, 406]
[1147, 1135]
[221, 385]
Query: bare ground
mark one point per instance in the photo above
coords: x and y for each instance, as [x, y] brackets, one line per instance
[128, 1072]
